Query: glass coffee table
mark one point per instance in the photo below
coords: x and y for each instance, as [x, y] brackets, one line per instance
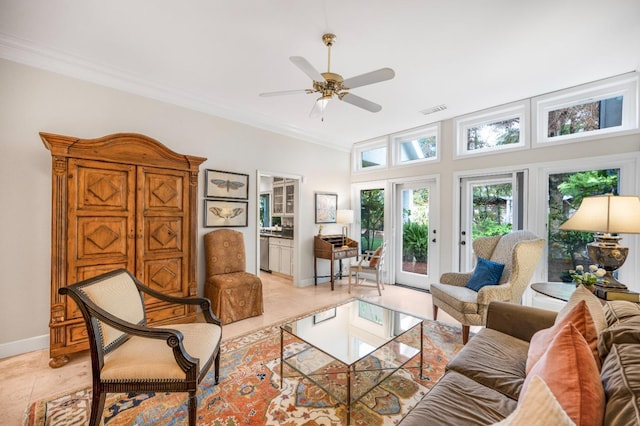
[349, 350]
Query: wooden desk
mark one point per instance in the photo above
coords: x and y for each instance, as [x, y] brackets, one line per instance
[330, 247]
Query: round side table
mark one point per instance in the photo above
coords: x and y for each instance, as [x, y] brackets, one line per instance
[560, 291]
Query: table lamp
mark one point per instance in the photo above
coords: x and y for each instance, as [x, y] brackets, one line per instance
[605, 215]
[344, 217]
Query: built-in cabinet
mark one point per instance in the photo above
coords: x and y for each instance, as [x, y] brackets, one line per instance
[289, 188]
[278, 200]
[283, 197]
[121, 201]
[281, 255]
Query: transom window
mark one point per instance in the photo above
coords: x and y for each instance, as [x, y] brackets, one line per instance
[591, 110]
[416, 146]
[497, 129]
[585, 117]
[371, 155]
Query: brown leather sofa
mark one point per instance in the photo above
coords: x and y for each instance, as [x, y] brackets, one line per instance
[482, 383]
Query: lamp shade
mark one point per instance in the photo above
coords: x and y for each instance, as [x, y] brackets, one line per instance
[615, 214]
[344, 216]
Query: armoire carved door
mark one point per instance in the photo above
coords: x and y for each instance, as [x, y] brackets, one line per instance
[121, 201]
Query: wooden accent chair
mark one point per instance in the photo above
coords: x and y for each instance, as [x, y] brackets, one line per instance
[370, 263]
[129, 356]
[519, 251]
[234, 293]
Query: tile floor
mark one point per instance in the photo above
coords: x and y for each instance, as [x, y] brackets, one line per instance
[28, 377]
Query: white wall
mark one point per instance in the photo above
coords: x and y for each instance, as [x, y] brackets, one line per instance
[33, 100]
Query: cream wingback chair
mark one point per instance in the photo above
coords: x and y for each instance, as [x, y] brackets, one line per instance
[518, 251]
[129, 356]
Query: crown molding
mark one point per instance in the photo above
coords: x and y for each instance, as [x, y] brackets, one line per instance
[31, 54]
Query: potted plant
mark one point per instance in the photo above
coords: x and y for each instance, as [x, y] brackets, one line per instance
[588, 278]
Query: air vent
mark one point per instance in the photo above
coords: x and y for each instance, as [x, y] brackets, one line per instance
[431, 110]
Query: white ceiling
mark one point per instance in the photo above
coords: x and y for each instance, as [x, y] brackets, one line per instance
[216, 56]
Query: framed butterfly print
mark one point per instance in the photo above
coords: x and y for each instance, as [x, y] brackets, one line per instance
[218, 213]
[219, 184]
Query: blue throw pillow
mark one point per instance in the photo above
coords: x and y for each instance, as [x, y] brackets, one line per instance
[486, 273]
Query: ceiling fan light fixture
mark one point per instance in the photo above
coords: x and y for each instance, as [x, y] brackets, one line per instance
[329, 83]
[323, 102]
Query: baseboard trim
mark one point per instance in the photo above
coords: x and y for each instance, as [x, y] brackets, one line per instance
[19, 347]
[424, 290]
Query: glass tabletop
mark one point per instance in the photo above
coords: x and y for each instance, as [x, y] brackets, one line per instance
[351, 331]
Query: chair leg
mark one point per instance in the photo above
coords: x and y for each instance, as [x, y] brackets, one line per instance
[379, 284]
[97, 405]
[435, 312]
[193, 408]
[465, 334]
[216, 368]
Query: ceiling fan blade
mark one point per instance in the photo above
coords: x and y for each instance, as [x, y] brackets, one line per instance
[283, 92]
[361, 102]
[306, 68]
[369, 78]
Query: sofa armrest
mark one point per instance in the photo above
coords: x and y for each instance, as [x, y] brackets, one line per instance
[518, 321]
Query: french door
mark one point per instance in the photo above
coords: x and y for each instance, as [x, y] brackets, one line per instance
[489, 205]
[416, 235]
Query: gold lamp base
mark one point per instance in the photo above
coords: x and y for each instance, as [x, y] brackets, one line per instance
[608, 255]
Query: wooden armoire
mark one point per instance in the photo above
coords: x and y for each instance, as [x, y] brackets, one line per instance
[120, 201]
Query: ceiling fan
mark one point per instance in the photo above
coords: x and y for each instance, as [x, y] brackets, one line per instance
[329, 84]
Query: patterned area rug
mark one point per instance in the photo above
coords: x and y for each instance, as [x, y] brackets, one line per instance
[249, 391]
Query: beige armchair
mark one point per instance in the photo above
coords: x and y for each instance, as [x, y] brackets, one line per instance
[235, 294]
[519, 251]
[129, 356]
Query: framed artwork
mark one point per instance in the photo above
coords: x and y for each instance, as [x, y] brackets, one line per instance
[324, 315]
[219, 213]
[326, 207]
[219, 184]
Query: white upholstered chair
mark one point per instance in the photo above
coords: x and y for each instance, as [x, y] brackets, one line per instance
[519, 251]
[370, 263]
[129, 356]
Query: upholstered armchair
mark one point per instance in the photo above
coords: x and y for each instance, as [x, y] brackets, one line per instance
[129, 356]
[234, 293]
[371, 262]
[518, 251]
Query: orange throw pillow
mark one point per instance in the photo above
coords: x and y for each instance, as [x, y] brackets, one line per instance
[580, 317]
[376, 257]
[571, 373]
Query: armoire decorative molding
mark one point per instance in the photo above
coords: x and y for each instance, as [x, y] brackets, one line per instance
[120, 201]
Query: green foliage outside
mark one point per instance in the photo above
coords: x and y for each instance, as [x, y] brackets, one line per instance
[566, 191]
[489, 228]
[489, 203]
[415, 242]
[372, 217]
